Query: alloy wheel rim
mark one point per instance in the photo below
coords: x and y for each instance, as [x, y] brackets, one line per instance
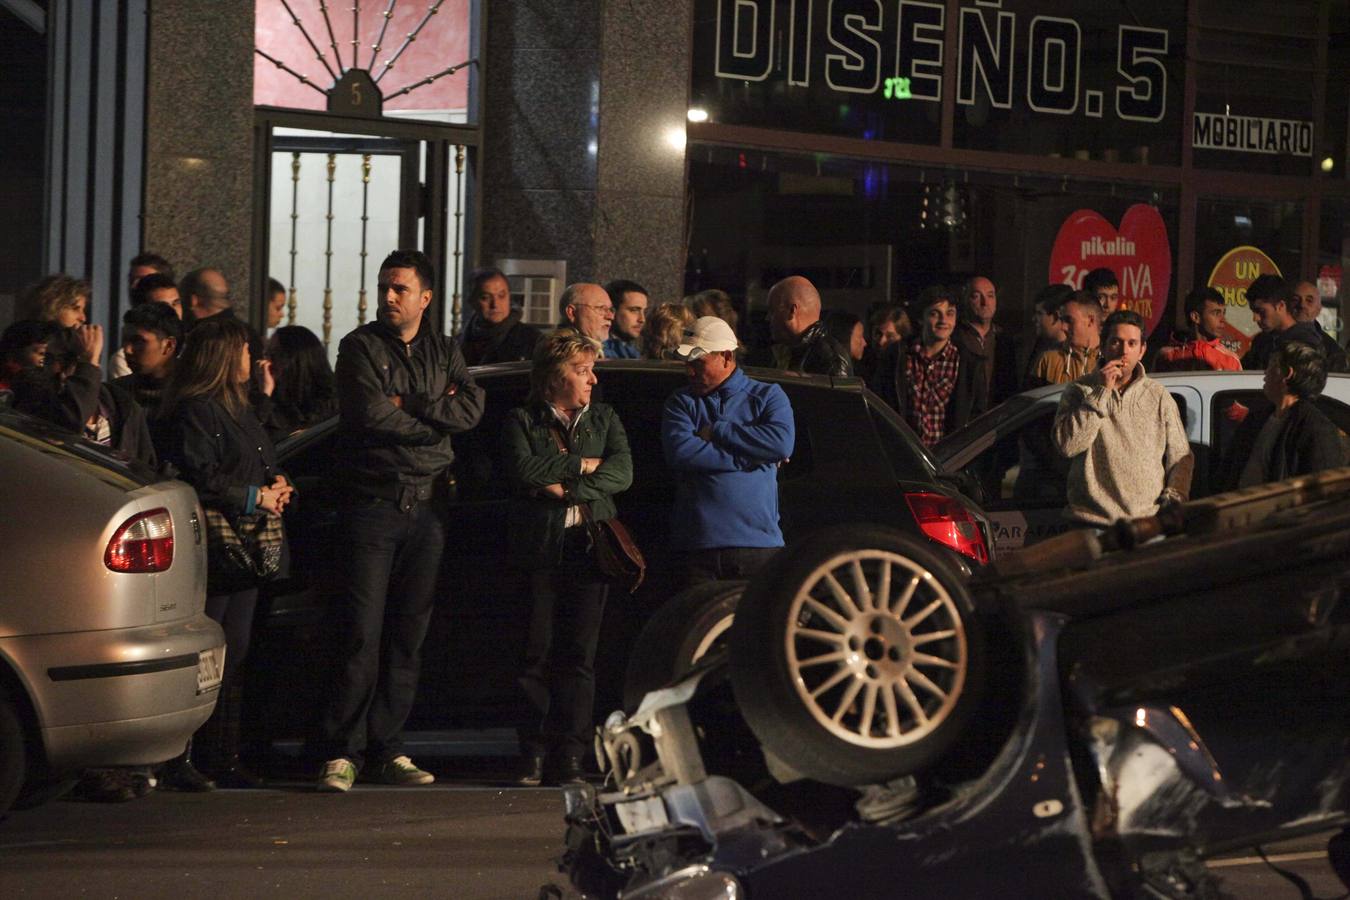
[876, 648]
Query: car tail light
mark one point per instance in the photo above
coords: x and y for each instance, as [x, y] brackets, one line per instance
[948, 522]
[144, 543]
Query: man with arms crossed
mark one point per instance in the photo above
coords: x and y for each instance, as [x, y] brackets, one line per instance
[403, 389]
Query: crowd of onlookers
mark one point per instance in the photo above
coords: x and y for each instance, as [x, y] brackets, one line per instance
[194, 390]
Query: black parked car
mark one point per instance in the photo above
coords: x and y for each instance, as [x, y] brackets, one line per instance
[1093, 717]
[854, 461]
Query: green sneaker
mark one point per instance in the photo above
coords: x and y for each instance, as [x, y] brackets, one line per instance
[337, 776]
[401, 771]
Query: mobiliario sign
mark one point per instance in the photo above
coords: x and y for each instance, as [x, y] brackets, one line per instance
[895, 49]
[1250, 134]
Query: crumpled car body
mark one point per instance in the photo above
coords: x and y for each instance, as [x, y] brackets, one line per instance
[1152, 706]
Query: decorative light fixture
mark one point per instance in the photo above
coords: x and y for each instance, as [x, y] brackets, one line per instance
[698, 114]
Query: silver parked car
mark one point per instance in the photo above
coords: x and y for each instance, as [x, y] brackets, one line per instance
[107, 657]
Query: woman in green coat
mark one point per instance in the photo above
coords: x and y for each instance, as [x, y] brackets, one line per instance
[562, 452]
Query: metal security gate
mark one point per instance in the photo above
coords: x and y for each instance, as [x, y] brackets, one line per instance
[354, 163]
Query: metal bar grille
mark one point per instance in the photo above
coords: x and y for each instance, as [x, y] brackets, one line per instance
[295, 216]
[379, 41]
[328, 258]
[412, 36]
[315, 47]
[365, 218]
[455, 310]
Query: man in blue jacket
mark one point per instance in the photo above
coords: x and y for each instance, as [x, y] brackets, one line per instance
[724, 437]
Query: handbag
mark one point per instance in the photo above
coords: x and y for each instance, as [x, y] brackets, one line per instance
[616, 554]
[244, 551]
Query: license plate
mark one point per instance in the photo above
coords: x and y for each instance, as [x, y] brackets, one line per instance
[642, 815]
[210, 669]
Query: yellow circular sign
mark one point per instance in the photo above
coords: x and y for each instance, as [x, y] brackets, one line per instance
[1232, 275]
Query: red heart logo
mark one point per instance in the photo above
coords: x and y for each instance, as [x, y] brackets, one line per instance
[1139, 254]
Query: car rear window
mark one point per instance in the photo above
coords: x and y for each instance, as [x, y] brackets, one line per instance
[71, 449]
[909, 460]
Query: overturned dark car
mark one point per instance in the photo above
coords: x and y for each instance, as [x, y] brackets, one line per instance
[1093, 717]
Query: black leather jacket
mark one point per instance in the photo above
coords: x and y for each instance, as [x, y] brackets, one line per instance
[817, 353]
[390, 452]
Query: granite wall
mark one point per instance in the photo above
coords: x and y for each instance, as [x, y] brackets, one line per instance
[199, 137]
[583, 137]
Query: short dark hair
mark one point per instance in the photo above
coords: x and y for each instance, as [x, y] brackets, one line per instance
[24, 333]
[619, 286]
[1270, 288]
[480, 277]
[416, 260]
[840, 324]
[304, 378]
[155, 281]
[158, 318]
[1124, 317]
[1099, 278]
[161, 265]
[1196, 300]
[1051, 297]
[274, 287]
[1308, 366]
[928, 297]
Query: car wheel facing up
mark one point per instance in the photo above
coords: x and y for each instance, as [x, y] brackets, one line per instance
[856, 658]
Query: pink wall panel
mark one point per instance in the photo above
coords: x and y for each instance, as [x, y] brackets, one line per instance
[442, 43]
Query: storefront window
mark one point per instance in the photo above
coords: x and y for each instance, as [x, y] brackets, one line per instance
[1073, 79]
[1333, 256]
[871, 233]
[1255, 71]
[1237, 240]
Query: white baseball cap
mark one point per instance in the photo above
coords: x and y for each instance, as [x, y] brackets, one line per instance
[708, 334]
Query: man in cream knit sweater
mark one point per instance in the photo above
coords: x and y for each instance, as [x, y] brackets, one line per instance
[1122, 433]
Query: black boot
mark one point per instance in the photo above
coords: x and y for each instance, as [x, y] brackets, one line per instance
[229, 771]
[179, 774]
[563, 768]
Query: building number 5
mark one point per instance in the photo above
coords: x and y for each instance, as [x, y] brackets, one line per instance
[1139, 58]
[356, 94]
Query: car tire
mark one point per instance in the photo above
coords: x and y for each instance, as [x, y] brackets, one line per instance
[13, 754]
[841, 688]
[680, 633]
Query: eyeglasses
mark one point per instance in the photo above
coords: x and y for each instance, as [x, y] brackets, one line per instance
[604, 310]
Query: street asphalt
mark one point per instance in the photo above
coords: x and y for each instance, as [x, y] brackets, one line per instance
[468, 841]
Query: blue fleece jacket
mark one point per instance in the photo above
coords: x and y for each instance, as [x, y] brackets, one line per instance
[726, 489]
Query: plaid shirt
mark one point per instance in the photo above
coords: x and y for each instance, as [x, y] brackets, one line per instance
[931, 382]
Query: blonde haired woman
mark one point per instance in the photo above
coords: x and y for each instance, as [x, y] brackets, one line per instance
[664, 330]
[562, 452]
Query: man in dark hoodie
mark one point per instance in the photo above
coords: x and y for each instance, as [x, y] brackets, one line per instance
[1272, 302]
[494, 332]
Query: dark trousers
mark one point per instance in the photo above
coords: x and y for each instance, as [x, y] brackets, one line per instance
[559, 679]
[695, 567]
[392, 557]
[234, 613]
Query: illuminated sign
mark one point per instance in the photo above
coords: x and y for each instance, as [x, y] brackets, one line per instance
[1248, 134]
[1232, 275]
[895, 48]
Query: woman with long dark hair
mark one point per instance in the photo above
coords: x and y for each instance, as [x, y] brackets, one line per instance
[305, 393]
[565, 458]
[208, 430]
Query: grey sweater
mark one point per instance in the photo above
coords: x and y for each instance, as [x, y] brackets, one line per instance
[1120, 445]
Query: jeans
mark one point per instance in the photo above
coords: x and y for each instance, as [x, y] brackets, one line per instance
[234, 613]
[695, 567]
[559, 679]
[391, 557]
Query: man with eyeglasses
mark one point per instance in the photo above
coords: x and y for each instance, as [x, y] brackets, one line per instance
[587, 308]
